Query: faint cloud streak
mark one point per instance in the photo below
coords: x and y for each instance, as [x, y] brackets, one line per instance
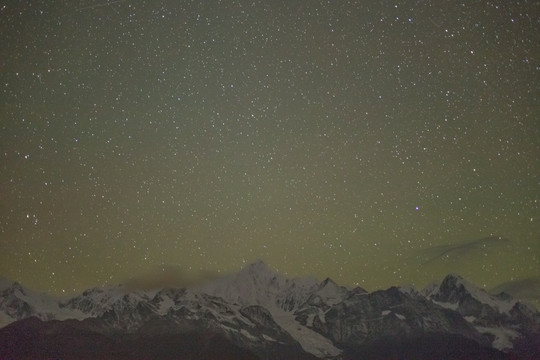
[436, 253]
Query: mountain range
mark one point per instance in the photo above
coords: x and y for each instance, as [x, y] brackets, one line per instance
[258, 313]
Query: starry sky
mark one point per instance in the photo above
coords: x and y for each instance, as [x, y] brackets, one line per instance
[374, 142]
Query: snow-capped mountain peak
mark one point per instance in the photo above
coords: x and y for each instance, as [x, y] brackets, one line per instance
[258, 284]
[18, 302]
[328, 293]
[259, 309]
[484, 311]
[97, 301]
[454, 291]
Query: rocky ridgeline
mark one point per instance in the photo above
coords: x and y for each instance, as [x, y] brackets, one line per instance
[259, 314]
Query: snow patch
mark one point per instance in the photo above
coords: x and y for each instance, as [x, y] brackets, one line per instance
[165, 305]
[268, 338]
[309, 320]
[246, 334]
[503, 336]
[446, 305]
[310, 340]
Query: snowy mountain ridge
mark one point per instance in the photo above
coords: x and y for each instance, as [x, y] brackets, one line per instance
[263, 311]
[450, 292]
[497, 316]
[258, 284]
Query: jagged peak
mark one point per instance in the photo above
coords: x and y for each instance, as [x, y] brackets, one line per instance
[450, 280]
[259, 263]
[430, 288]
[409, 289]
[454, 287]
[258, 284]
[330, 286]
[454, 277]
[455, 280]
[503, 296]
[328, 281]
[13, 286]
[358, 290]
[6, 283]
[258, 267]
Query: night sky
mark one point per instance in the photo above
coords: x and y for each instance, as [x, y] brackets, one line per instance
[374, 142]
